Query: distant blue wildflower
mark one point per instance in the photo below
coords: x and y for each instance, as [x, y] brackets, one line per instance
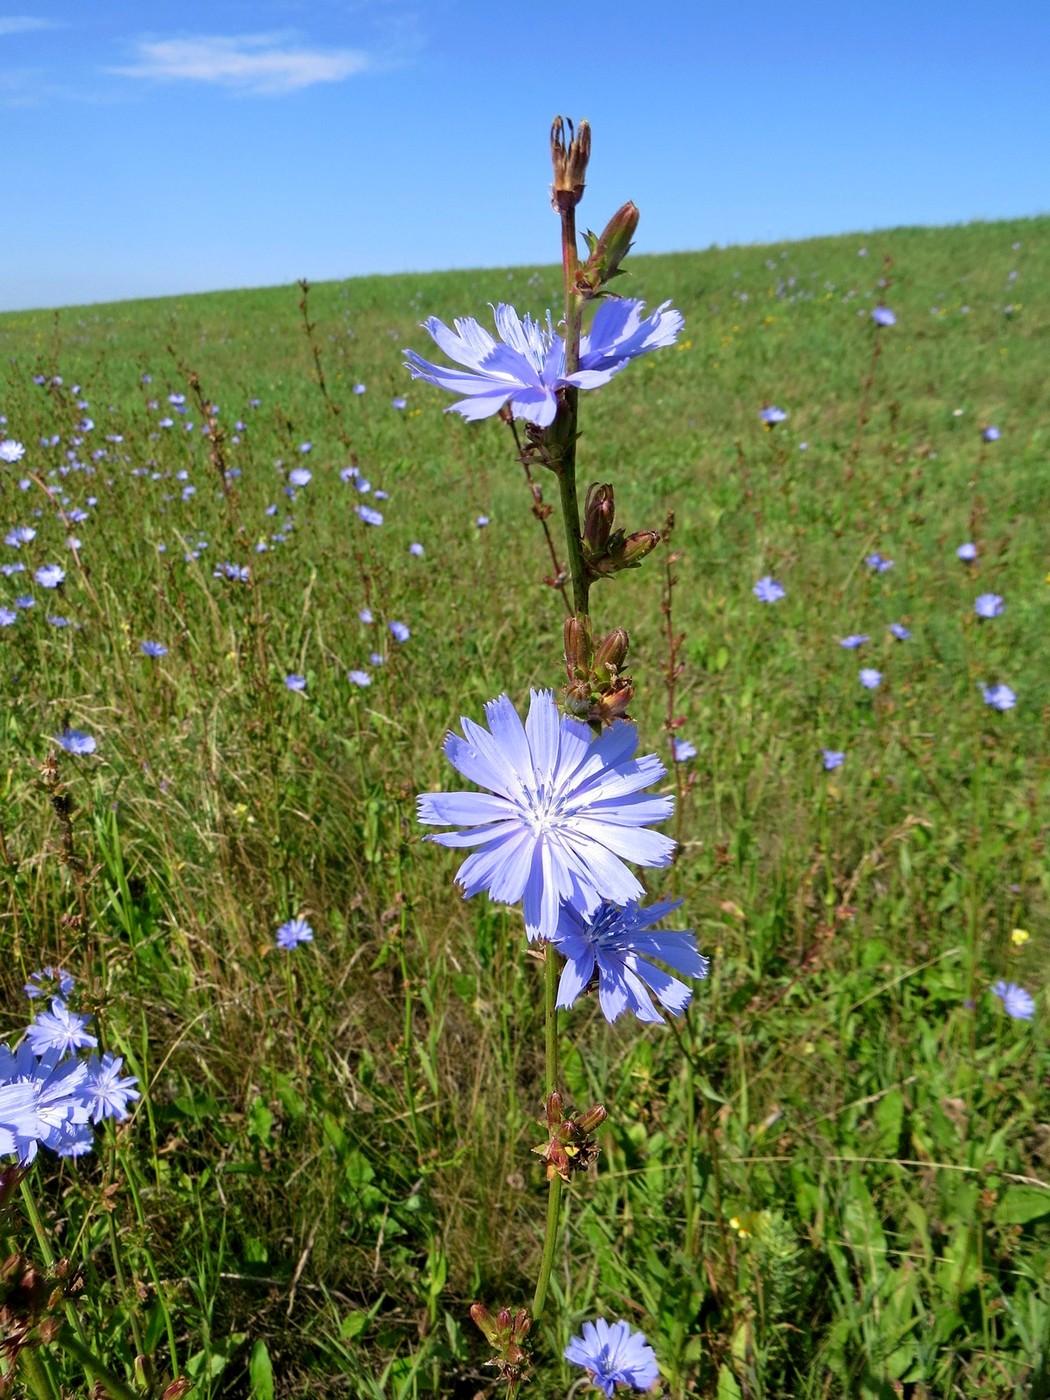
[991, 433]
[294, 932]
[236, 573]
[300, 476]
[25, 600]
[618, 943]
[767, 590]
[359, 388]
[833, 759]
[7, 617]
[613, 1355]
[399, 631]
[1000, 696]
[377, 658]
[9, 569]
[416, 549]
[57, 621]
[870, 678]
[564, 808]
[1016, 1001]
[11, 451]
[683, 750]
[883, 316]
[528, 368]
[370, 516]
[362, 484]
[40, 983]
[854, 640]
[59, 1029]
[900, 631]
[105, 1093]
[295, 682]
[967, 552]
[878, 563]
[305, 446]
[366, 615]
[771, 414]
[361, 678]
[348, 473]
[988, 605]
[50, 575]
[481, 521]
[75, 741]
[20, 535]
[153, 649]
[399, 402]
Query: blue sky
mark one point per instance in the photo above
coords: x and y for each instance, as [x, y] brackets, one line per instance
[165, 148]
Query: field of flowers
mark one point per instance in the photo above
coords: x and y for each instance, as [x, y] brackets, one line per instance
[278, 1090]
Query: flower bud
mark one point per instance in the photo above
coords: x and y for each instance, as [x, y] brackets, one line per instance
[570, 163]
[613, 704]
[599, 512]
[608, 251]
[627, 553]
[578, 650]
[611, 652]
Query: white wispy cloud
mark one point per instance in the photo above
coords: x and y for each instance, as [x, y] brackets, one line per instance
[25, 24]
[262, 64]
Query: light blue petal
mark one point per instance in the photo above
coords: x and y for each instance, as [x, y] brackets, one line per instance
[574, 977]
[632, 842]
[671, 993]
[543, 730]
[463, 808]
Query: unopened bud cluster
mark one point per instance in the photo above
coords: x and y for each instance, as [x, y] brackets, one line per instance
[572, 1147]
[505, 1334]
[598, 689]
[605, 550]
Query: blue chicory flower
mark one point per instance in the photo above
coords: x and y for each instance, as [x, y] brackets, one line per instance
[991, 433]
[416, 549]
[619, 943]
[967, 552]
[564, 809]
[988, 605]
[833, 759]
[153, 649]
[399, 631]
[899, 630]
[369, 516]
[1016, 1001]
[50, 575]
[528, 368]
[361, 678]
[11, 451]
[767, 590]
[883, 316]
[41, 1101]
[294, 932]
[854, 640]
[771, 415]
[300, 476]
[684, 750]
[295, 682]
[877, 563]
[8, 617]
[613, 1355]
[75, 741]
[59, 1029]
[41, 983]
[105, 1092]
[869, 678]
[1000, 696]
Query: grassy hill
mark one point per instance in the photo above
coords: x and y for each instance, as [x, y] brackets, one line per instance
[832, 1176]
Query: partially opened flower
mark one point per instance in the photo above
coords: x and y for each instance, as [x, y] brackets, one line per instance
[618, 943]
[528, 368]
[613, 1355]
[564, 810]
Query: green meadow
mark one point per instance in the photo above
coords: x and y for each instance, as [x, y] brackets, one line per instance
[831, 1176]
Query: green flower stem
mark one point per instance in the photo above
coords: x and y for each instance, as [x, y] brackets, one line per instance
[565, 429]
[37, 1374]
[113, 1385]
[550, 1238]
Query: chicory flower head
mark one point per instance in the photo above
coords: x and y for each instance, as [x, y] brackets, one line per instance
[619, 943]
[75, 741]
[1000, 696]
[988, 605]
[883, 316]
[1017, 1003]
[294, 932]
[768, 590]
[833, 758]
[613, 1355]
[869, 678]
[563, 812]
[528, 368]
